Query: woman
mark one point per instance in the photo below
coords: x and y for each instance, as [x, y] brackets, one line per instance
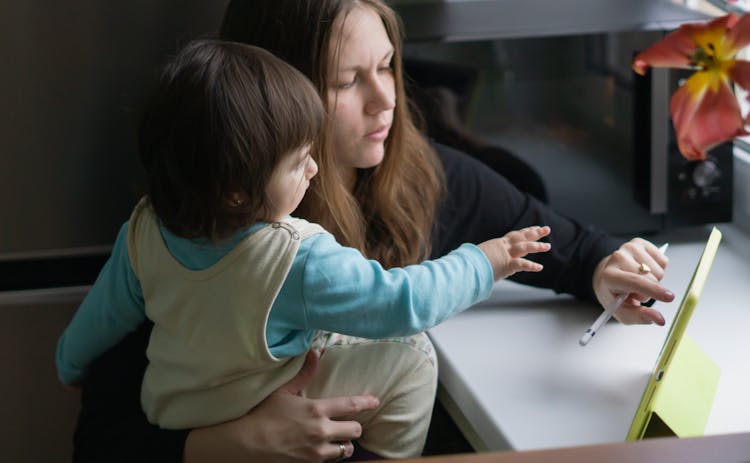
[380, 185]
[383, 188]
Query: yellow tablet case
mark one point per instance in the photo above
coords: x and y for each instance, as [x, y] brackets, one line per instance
[679, 394]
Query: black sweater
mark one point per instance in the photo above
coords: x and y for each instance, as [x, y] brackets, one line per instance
[480, 205]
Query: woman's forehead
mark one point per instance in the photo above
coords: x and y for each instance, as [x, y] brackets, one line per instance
[362, 38]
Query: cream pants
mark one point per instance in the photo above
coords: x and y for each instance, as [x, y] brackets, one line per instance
[400, 372]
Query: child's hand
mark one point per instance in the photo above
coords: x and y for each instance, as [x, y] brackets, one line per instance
[506, 254]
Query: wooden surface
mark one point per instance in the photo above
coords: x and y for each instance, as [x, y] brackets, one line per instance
[724, 448]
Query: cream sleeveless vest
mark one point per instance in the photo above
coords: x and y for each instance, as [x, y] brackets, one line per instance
[208, 357]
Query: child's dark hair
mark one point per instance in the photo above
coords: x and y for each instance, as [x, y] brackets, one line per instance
[223, 116]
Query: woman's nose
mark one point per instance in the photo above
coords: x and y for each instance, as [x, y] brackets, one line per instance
[382, 95]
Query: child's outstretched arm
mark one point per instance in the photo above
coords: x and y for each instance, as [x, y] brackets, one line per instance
[343, 292]
[507, 254]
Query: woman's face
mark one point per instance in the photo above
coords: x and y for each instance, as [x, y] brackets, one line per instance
[361, 90]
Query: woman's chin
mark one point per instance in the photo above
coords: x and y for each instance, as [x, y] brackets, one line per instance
[370, 157]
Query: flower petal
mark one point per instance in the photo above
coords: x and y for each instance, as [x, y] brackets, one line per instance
[739, 35]
[704, 117]
[673, 51]
[740, 73]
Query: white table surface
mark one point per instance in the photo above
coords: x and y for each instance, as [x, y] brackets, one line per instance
[513, 367]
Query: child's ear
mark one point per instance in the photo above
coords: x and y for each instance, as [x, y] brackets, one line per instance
[236, 199]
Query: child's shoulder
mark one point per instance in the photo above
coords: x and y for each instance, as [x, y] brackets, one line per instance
[304, 228]
[142, 212]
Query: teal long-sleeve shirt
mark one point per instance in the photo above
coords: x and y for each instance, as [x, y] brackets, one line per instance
[329, 287]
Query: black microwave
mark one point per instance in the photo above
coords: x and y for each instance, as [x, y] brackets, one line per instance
[546, 90]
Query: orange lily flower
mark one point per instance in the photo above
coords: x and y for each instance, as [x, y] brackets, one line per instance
[705, 111]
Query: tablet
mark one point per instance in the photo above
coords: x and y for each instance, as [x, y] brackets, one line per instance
[680, 391]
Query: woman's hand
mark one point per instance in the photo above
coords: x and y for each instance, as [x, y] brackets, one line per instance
[284, 427]
[621, 273]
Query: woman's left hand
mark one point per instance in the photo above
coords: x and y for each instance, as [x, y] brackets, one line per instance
[635, 269]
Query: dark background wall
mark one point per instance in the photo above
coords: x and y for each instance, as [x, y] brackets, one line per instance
[73, 77]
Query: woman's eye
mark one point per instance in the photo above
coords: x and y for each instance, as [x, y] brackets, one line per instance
[345, 85]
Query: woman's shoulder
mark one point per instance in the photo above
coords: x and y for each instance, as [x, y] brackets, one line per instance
[460, 165]
[495, 164]
[463, 171]
[451, 157]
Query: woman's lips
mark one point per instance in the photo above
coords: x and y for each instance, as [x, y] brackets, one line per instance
[379, 134]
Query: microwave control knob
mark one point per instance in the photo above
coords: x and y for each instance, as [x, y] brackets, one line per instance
[706, 173]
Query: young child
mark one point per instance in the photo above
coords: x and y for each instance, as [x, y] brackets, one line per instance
[235, 286]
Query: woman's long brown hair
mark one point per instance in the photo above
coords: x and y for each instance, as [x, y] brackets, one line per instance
[391, 211]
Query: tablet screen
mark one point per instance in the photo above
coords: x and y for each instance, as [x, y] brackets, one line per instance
[675, 334]
[689, 300]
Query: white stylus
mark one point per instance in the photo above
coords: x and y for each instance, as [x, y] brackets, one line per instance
[607, 314]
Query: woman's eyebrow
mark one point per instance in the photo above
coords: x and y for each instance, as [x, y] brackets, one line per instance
[388, 55]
